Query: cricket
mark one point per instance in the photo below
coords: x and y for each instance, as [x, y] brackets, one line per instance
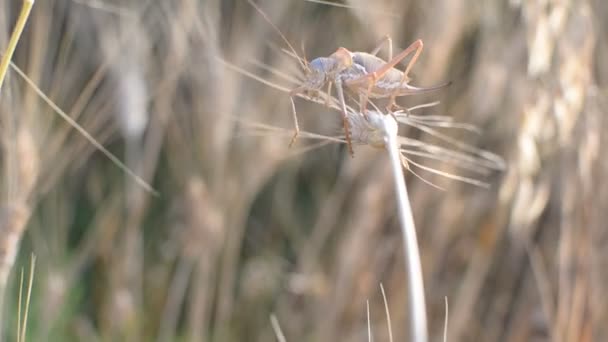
[364, 74]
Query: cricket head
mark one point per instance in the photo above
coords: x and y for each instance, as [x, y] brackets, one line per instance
[318, 73]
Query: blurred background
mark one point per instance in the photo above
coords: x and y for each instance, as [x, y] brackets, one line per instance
[244, 227]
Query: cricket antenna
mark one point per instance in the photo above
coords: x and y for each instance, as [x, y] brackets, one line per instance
[304, 53]
[257, 8]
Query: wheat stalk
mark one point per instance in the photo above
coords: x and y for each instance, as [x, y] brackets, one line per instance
[377, 129]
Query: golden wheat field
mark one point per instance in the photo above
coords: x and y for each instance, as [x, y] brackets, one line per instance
[150, 192]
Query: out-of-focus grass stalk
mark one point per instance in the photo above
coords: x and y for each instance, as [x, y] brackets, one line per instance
[12, 44]
[417, 310]
[22, 328]
[114, 159]
[277, 328]
[13, 218]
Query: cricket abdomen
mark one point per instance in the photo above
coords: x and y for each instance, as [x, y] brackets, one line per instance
[366, 64]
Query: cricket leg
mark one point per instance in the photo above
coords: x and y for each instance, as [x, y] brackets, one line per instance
[296, 132]
[386, 40]
[295, 122]
[414, 47]
[328, 98]
[418, 45]
[392, 104]
[364, 97]
[370, 79]
[340, 92]
[395, 108]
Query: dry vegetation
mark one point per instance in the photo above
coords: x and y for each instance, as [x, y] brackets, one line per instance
[244, 227]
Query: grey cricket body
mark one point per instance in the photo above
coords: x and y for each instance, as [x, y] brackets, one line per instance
[348, 66]
[390, 83]
[362, 73]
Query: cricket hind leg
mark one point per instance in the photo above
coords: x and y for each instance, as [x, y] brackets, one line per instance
[328, 95]
[385, 40]
[414, 47]
[340, 91]
[417, 47]
[364, 96]
[370, 79]
[294, 114]
[295, 122]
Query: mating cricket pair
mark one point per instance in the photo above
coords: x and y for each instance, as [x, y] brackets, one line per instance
[365, 74]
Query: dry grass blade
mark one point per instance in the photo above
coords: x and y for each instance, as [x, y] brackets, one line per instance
[265, 130]
[15, 36]
[263, 14]
[13, 220]
[388, 314]
[465, 165]
[28, 297]
[22, 320]
[316, 99]
[276, 327]
[449, 175]
[543, 284]
[86, 134]
[251, 75]
[496, 161]
[445, 324]
[467, 161]
[340, 5]
[275, 71]
[442, 122]
[369, 323]
[106, 7]
[19, 304]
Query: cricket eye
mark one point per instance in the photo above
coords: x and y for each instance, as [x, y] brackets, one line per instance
[318, 74]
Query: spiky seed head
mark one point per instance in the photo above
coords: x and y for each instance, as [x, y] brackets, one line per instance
[367, 129]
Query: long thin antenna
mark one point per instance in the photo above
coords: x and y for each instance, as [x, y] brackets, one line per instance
[257, 8]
